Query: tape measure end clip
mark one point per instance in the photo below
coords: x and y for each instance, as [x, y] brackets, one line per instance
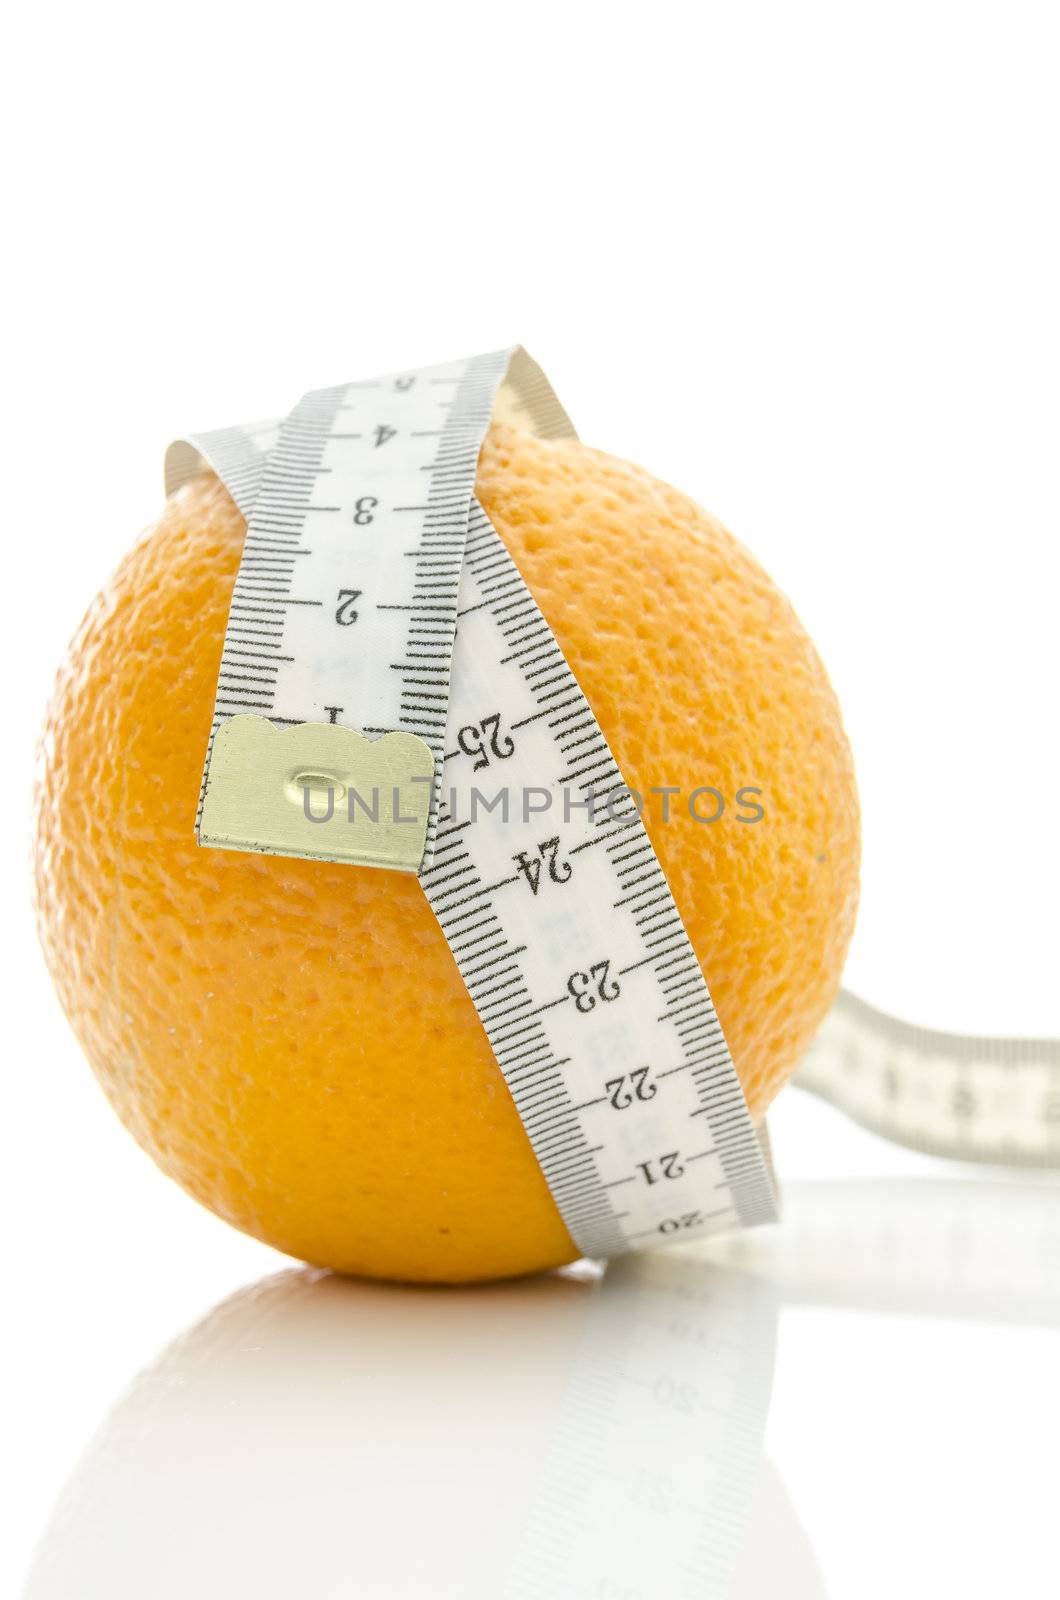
[318, 791]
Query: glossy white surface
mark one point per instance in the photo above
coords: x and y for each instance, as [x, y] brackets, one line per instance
[786, 1415]
[844, 217]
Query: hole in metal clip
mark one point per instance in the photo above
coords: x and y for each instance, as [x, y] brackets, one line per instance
[304, 789]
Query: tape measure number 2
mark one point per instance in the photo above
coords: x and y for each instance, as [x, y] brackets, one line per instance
[382, 652]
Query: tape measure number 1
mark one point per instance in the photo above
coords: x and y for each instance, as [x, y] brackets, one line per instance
[382, 652]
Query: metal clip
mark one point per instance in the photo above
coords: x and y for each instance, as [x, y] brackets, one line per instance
[318, 790]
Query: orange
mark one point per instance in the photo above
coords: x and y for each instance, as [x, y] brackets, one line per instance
[291, 1040]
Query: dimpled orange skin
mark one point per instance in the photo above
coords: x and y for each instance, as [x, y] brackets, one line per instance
[291, 1040]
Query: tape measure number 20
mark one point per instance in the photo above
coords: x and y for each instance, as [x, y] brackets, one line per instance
[382, 651]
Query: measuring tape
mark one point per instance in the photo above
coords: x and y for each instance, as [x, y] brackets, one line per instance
[947, 1094]
[382, 654]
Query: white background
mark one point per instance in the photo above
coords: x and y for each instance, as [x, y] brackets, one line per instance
[801, 261]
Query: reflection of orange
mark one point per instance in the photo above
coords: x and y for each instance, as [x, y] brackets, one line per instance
[291, 1040]
[306, 1423]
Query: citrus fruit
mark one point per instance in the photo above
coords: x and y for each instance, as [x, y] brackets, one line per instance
[291, 1040]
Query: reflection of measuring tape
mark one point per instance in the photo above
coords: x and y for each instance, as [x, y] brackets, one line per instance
[344, 684]
[647, 1486]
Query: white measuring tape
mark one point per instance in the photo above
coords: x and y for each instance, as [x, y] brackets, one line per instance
[948, 1094]
[383, 659]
